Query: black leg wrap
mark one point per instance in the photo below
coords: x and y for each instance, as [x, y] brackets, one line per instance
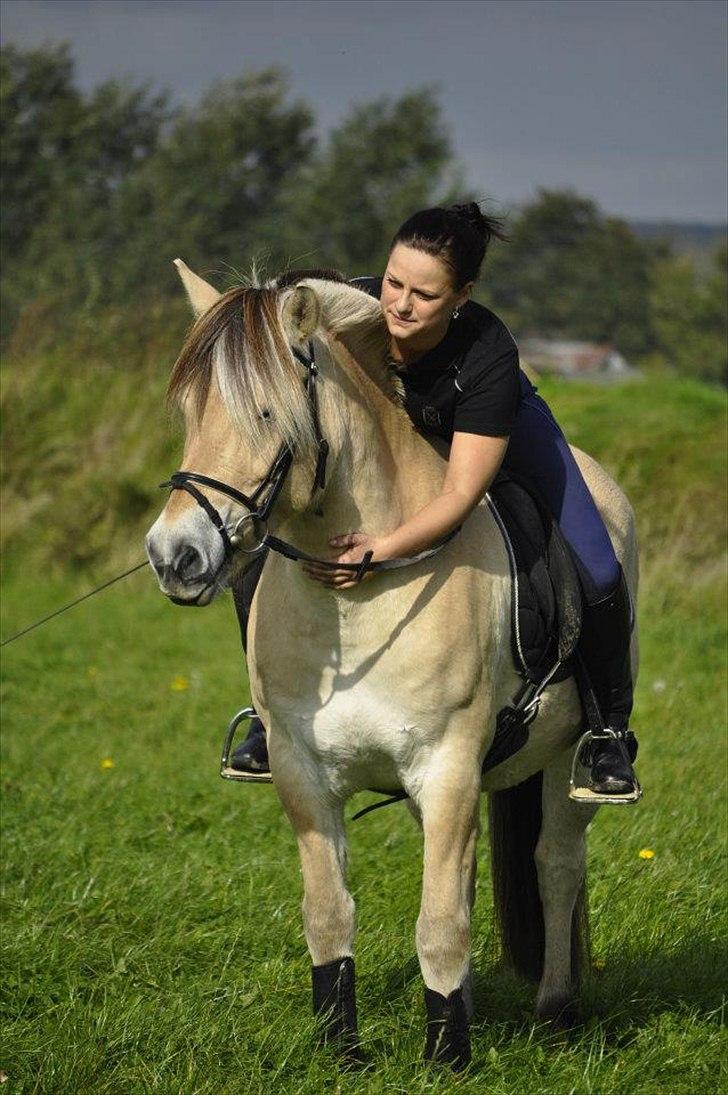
[448, 1033]
[334, 1000]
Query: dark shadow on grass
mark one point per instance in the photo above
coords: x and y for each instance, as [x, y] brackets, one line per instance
[623, 997]
[634, 987]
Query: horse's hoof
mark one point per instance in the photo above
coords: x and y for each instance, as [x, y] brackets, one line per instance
[352, 1058]
[562, 1013]
[448, 1033]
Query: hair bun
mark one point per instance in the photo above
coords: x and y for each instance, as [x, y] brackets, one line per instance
[485, 226]
[471, 213]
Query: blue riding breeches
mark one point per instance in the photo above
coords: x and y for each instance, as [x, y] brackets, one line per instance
[539, 453]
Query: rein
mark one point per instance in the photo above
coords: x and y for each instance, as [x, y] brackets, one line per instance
[261, 502]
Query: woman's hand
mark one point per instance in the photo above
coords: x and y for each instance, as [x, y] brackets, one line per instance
[354, 545]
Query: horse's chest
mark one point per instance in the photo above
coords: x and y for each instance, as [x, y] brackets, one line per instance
[364, 737]
[367, 698]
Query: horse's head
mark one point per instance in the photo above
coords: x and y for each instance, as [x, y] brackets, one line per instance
[251, 405]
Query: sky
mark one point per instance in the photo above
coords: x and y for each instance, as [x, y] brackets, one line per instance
[624, 102]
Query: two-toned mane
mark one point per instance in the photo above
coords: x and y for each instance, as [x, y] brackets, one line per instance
[241, 343]
[392, 684]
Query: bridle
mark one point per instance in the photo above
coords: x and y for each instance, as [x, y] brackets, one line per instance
[250, 534]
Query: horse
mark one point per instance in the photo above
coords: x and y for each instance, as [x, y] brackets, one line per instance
[392, 684]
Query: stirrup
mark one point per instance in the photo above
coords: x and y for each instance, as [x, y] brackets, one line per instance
[579, 789]
[232, 773]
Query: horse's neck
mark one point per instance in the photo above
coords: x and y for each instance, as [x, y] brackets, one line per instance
[384, 471]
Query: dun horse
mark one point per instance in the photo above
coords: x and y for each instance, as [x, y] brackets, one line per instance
[394, 683]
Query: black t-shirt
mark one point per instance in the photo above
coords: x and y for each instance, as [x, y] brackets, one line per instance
[469, 382]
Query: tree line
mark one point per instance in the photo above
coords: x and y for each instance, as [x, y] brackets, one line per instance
[101, 189]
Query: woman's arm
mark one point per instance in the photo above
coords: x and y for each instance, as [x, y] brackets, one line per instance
[473, 464]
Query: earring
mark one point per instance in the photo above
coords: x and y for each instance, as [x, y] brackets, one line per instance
[456, 313]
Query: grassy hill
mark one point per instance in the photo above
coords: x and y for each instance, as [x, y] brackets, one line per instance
[87, 439]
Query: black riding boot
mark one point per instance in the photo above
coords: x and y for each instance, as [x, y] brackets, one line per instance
[605, 649]
[252, 754]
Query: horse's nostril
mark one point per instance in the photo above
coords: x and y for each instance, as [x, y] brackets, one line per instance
[188, 563]
[156, 561]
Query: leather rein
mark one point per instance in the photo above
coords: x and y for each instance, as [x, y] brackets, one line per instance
[261, 502]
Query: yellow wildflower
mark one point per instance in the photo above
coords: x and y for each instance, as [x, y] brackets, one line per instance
[179, 684]
[92, 671]
[646, 853]
[599, 964]
[107, 762]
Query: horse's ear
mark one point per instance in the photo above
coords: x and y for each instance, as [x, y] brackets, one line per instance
[302, 313]
[201, 295]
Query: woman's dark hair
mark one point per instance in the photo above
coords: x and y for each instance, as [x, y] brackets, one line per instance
[458, 235]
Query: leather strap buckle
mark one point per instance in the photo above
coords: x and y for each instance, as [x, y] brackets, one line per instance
[363, 565]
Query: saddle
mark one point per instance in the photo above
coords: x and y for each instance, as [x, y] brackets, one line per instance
[546, 609]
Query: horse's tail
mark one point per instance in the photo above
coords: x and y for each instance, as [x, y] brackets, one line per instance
[515, 824]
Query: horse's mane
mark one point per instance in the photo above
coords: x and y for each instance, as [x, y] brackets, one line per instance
[241, 341]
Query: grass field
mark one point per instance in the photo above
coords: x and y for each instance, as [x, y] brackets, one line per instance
[151, 919]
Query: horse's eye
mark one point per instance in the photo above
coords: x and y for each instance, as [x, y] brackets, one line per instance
[264, 414]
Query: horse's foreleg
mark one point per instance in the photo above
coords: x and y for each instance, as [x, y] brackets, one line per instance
[329, 919]
[450, 820]
[561, 865]
[468, 987]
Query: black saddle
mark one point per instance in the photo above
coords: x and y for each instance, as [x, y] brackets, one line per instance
[546, 606]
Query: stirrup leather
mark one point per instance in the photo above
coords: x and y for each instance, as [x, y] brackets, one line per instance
[579, 789]
[232, 773]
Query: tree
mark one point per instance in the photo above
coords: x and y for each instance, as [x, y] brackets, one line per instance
[571, 272]
[213, 180]
[66, 155]
[39, 109]
[388, 158]
[691, 316]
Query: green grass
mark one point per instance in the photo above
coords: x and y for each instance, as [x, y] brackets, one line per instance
[151, 921]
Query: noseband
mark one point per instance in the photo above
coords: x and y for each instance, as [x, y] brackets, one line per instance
[261, 501]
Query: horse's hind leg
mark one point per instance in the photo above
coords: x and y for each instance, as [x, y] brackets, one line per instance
[329, 919]
[561, 865]
[449, 802]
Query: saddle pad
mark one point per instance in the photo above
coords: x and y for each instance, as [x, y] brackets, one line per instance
[546, 593]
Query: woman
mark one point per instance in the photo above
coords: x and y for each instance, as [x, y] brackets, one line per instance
[459, 365]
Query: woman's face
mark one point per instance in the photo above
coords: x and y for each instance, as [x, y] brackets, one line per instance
[418, 297]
